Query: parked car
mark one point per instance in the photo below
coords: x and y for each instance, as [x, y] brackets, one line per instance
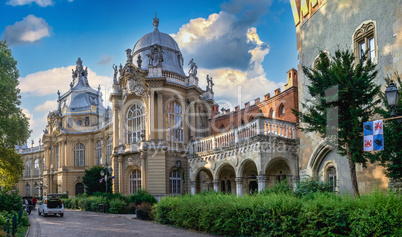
[51, 205]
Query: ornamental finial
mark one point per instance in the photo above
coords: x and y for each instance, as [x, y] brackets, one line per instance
[155, 22]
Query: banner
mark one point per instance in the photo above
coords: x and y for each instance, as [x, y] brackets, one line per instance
[373, 136]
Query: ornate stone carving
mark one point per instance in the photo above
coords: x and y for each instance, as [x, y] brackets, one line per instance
[193, 68]
[139, 61]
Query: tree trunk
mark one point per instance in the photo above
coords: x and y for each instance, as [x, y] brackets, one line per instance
[352, 169]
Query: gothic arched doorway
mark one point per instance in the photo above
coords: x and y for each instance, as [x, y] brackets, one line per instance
[79, 189]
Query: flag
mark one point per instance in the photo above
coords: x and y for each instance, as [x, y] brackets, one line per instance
[100, 181]
[368, 128]
[378, 142]
[378, 127]
[368, 143]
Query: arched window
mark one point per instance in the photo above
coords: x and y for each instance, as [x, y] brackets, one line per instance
[135, 123]
[57, 157]
[251, 118]
[79, 155]
[135, 181]
[108, 149]
[98, 152]
[36, 190]
[27, 189]
[222, 128]
[365, 43]
[175, 182]
[318, 58]
[28, 168]
[36, 167]
[331, 175]
[175, 122]
[281, 110]
[272, 113]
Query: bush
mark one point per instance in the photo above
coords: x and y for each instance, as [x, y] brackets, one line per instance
[142, 196]
[284, 214]
[310, 186]
[118, 206]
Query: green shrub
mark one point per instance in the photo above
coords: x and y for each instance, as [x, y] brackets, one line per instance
[118, 206]
[310, 186]
[142, 196]
[278, 213]
[10, 200]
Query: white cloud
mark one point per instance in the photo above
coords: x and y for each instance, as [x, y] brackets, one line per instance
[29, 30]
[48, 82]
[36, 125]
[42, 3]
[49, 105]
[105, 60]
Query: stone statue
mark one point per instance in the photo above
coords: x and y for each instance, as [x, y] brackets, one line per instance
[155, 22]
[193, 68]
[180, 59]
[114, 72]
[58, 94]
[211, 84]
[129, 56]
[159, 55]
[139, 61]
[120, 68]
[150, 58]
[208, 80]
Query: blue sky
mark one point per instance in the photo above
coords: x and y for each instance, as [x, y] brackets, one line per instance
[247, 43]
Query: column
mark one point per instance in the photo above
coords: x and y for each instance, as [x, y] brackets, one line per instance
[192, 183]
[261, 182]
[239, 186]
[161, 133]
[216, 184]
[120, 160]
[143, 156]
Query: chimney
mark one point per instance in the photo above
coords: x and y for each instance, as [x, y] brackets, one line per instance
[267, 96]
[237, 108]
[292, 78]
[227, 111]
[256, 101]
[278, 91]
[246, 105]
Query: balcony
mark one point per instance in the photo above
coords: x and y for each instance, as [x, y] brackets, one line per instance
[260, 126]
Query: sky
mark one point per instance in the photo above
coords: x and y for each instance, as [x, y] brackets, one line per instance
[247, 46]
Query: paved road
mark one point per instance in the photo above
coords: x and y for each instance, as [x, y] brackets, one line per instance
[77, 223]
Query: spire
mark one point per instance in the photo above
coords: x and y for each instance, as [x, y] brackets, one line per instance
[155, 22]
[80, 74]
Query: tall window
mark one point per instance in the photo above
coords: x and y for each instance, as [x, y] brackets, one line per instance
[108, 149]
[57, 157]
[43, 165]
[135, 181]
[98, 152]
[36, 190]
[175, 182]
[331, 176]
[272, 113]
[175, 122]
[28, 168]
[27, 189]
[199, 126]
[79, 155]
[135, 123]
[36, 167]
[281, 110]
[364, 40]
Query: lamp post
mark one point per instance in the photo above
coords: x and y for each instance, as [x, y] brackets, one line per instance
[392, 96]
[105, 178]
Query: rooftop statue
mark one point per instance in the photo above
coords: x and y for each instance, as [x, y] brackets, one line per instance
[193, 68]
[114, 73]
[139, 61]
[129, 56]
[155, 22]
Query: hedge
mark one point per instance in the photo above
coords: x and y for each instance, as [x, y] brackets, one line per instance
[284, 214]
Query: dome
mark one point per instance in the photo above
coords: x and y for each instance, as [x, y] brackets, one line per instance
[172, 57]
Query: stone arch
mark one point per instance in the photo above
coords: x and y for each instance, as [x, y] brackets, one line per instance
[226, 176]
[79, 188]
[318, 155]
[279, 169]
[203, 180]
[249, 172]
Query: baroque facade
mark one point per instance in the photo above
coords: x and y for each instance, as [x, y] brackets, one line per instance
[163, 133]
[368, 26]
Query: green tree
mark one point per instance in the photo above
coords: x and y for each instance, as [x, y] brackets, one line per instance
[91, 181]
[391, 156]
[13, 122]
[343, 96]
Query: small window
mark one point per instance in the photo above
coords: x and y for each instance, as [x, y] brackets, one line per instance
[331, 176]
[364, 41]
[222, 128]
[135, 181]
[281, 110]
[175, 182]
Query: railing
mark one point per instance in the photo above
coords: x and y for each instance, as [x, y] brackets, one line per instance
[173, 77]
[258, 126]
[30, 150]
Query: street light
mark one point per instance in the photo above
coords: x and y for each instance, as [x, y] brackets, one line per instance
[105, 178]
[392, 95]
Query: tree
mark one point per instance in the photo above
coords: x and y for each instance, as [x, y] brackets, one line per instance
[391, 156]
[13, 122]
[91, 181]
[343, 97]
